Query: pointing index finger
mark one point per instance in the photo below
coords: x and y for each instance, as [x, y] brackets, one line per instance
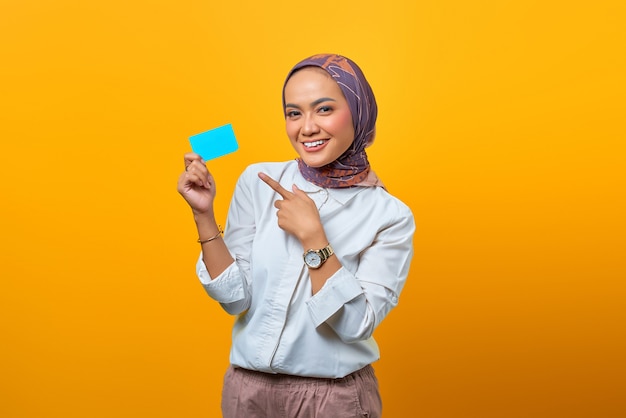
[275, 185]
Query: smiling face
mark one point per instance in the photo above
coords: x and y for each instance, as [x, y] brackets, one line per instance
[317, 117]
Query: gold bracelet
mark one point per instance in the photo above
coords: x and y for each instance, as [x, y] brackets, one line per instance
[204, 241]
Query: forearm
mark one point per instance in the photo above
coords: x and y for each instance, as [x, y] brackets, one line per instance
[215, 254]
[321, 275]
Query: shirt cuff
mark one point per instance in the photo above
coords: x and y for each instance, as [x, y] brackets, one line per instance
[338, 290]
[225, 288]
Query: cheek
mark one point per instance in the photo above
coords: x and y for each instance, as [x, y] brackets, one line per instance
[292, 130]
[342, 122]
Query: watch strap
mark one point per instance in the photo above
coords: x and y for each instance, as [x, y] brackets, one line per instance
[325, 252]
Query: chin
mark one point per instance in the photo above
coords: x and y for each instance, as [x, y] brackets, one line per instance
[314, 163]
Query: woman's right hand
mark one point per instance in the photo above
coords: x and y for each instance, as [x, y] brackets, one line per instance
[196, 184]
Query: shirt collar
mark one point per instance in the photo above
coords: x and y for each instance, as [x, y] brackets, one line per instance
[341, 195]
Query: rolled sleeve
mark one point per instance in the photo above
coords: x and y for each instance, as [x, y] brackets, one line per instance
[227, 288]
[338, 290]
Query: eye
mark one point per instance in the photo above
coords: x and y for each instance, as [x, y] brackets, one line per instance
[324, 109]
[292, 114]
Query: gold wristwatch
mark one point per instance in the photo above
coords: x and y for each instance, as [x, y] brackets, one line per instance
[315, 258]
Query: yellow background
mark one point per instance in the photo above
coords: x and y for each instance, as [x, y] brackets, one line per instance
[501, 125]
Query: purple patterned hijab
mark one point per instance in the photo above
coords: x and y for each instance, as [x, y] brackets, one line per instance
[352, 168]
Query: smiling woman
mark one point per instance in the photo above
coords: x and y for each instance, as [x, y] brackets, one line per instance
[311, 262]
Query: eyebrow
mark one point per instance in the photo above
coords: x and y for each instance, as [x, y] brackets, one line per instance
[314, 103]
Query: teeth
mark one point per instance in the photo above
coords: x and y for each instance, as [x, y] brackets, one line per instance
[312, 144]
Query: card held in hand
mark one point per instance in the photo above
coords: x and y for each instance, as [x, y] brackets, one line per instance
[215, 142]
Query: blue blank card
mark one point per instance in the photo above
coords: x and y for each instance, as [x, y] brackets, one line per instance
[215, 142]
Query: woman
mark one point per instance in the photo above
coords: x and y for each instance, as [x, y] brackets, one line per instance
[314, 256]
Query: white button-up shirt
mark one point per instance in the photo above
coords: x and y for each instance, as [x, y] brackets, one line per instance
[280, 326]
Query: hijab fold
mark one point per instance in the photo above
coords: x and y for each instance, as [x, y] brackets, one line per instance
[352, 168]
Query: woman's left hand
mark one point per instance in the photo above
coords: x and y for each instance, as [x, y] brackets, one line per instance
[297, 214]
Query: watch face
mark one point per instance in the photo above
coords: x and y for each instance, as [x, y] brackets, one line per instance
[312, 259]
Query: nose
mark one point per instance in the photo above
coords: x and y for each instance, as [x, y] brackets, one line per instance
[309, 126]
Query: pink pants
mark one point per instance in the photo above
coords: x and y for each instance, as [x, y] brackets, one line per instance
[249, 394]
